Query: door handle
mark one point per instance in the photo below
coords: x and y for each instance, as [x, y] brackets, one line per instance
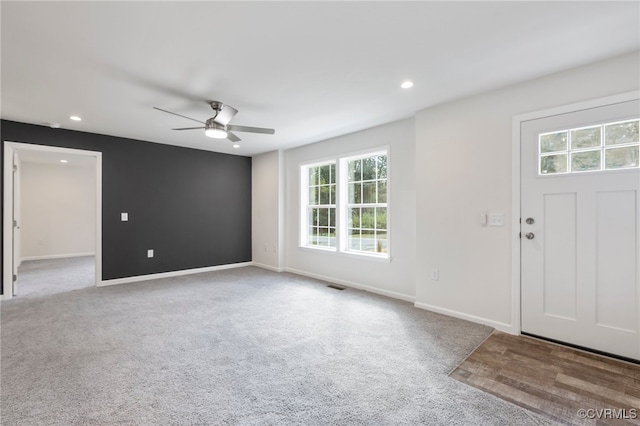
[530, 235]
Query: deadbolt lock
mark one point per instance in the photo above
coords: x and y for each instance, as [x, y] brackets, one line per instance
[530, 221]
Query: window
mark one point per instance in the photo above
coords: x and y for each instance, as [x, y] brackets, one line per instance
[321, 205]
[344, 204]
[367, 204]
[605, 146]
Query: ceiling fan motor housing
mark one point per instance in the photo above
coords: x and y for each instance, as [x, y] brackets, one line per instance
[211, 124]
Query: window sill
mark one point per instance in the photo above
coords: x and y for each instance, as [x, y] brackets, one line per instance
[354, 255]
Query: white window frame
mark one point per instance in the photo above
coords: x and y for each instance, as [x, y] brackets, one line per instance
[304, 204]
[345, 205]
[342, 194]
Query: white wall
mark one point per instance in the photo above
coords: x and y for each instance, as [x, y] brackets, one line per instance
[266, 197]
[57, 211]
[463, 166]
[395, 278]
[448, 165]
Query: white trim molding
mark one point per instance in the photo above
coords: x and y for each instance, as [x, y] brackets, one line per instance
[268, 267]
[501, 326]
[56, 256]
[516, 326]
[382, 292]
[172, 274]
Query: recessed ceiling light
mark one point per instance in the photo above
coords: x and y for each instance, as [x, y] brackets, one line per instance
[75, 118]
[407, 84]
[235, 145]
[63, 161]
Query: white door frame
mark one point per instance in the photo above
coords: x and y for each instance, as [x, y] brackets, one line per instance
[9, 149]
[516, 325]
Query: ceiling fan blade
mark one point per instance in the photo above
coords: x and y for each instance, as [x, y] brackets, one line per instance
[232, 137]
[225, 115]
[179, 115]
[250, 129]
[188, 128]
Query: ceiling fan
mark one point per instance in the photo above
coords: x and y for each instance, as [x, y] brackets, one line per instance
[218, 126]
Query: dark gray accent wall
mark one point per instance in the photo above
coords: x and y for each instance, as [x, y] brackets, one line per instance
[192, 207]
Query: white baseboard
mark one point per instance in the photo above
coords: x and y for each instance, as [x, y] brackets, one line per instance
[171, 274]
[351, 284]
[501, 326]
[56, 256]
[268, 267]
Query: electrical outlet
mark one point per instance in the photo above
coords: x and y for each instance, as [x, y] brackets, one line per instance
[149, 253]
[496, 219]
[435, 274]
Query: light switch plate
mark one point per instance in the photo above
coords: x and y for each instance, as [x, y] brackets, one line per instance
[149, 253]
[124, 217]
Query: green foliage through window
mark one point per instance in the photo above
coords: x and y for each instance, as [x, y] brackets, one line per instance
[357, 223]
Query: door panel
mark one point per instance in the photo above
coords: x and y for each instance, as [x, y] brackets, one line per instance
[559, 262]
[580, 271]
[616, 243]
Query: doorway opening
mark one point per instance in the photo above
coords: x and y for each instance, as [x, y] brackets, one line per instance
[57, 193]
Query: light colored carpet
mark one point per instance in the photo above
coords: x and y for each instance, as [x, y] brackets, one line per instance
[51, 276]
[237, 347]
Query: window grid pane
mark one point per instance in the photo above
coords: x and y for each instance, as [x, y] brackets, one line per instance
[608, 146]
[321, 206]
[366, 209]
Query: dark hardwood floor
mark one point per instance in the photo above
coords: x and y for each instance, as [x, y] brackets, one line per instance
[568, 385]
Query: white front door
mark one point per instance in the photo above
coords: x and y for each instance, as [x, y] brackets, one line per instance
[580, 271]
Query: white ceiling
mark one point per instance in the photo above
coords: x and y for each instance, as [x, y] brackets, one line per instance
[311, 70]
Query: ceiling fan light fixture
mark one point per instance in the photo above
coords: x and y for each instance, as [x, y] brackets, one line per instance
[215, 130]
[216, 133]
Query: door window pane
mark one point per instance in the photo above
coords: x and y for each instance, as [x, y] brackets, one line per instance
[553, 164]
[619, 133]
[585, 138]
[552, 142]
[586, 160]
[618, 158]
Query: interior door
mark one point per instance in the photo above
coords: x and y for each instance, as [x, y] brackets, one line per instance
[580, 228]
